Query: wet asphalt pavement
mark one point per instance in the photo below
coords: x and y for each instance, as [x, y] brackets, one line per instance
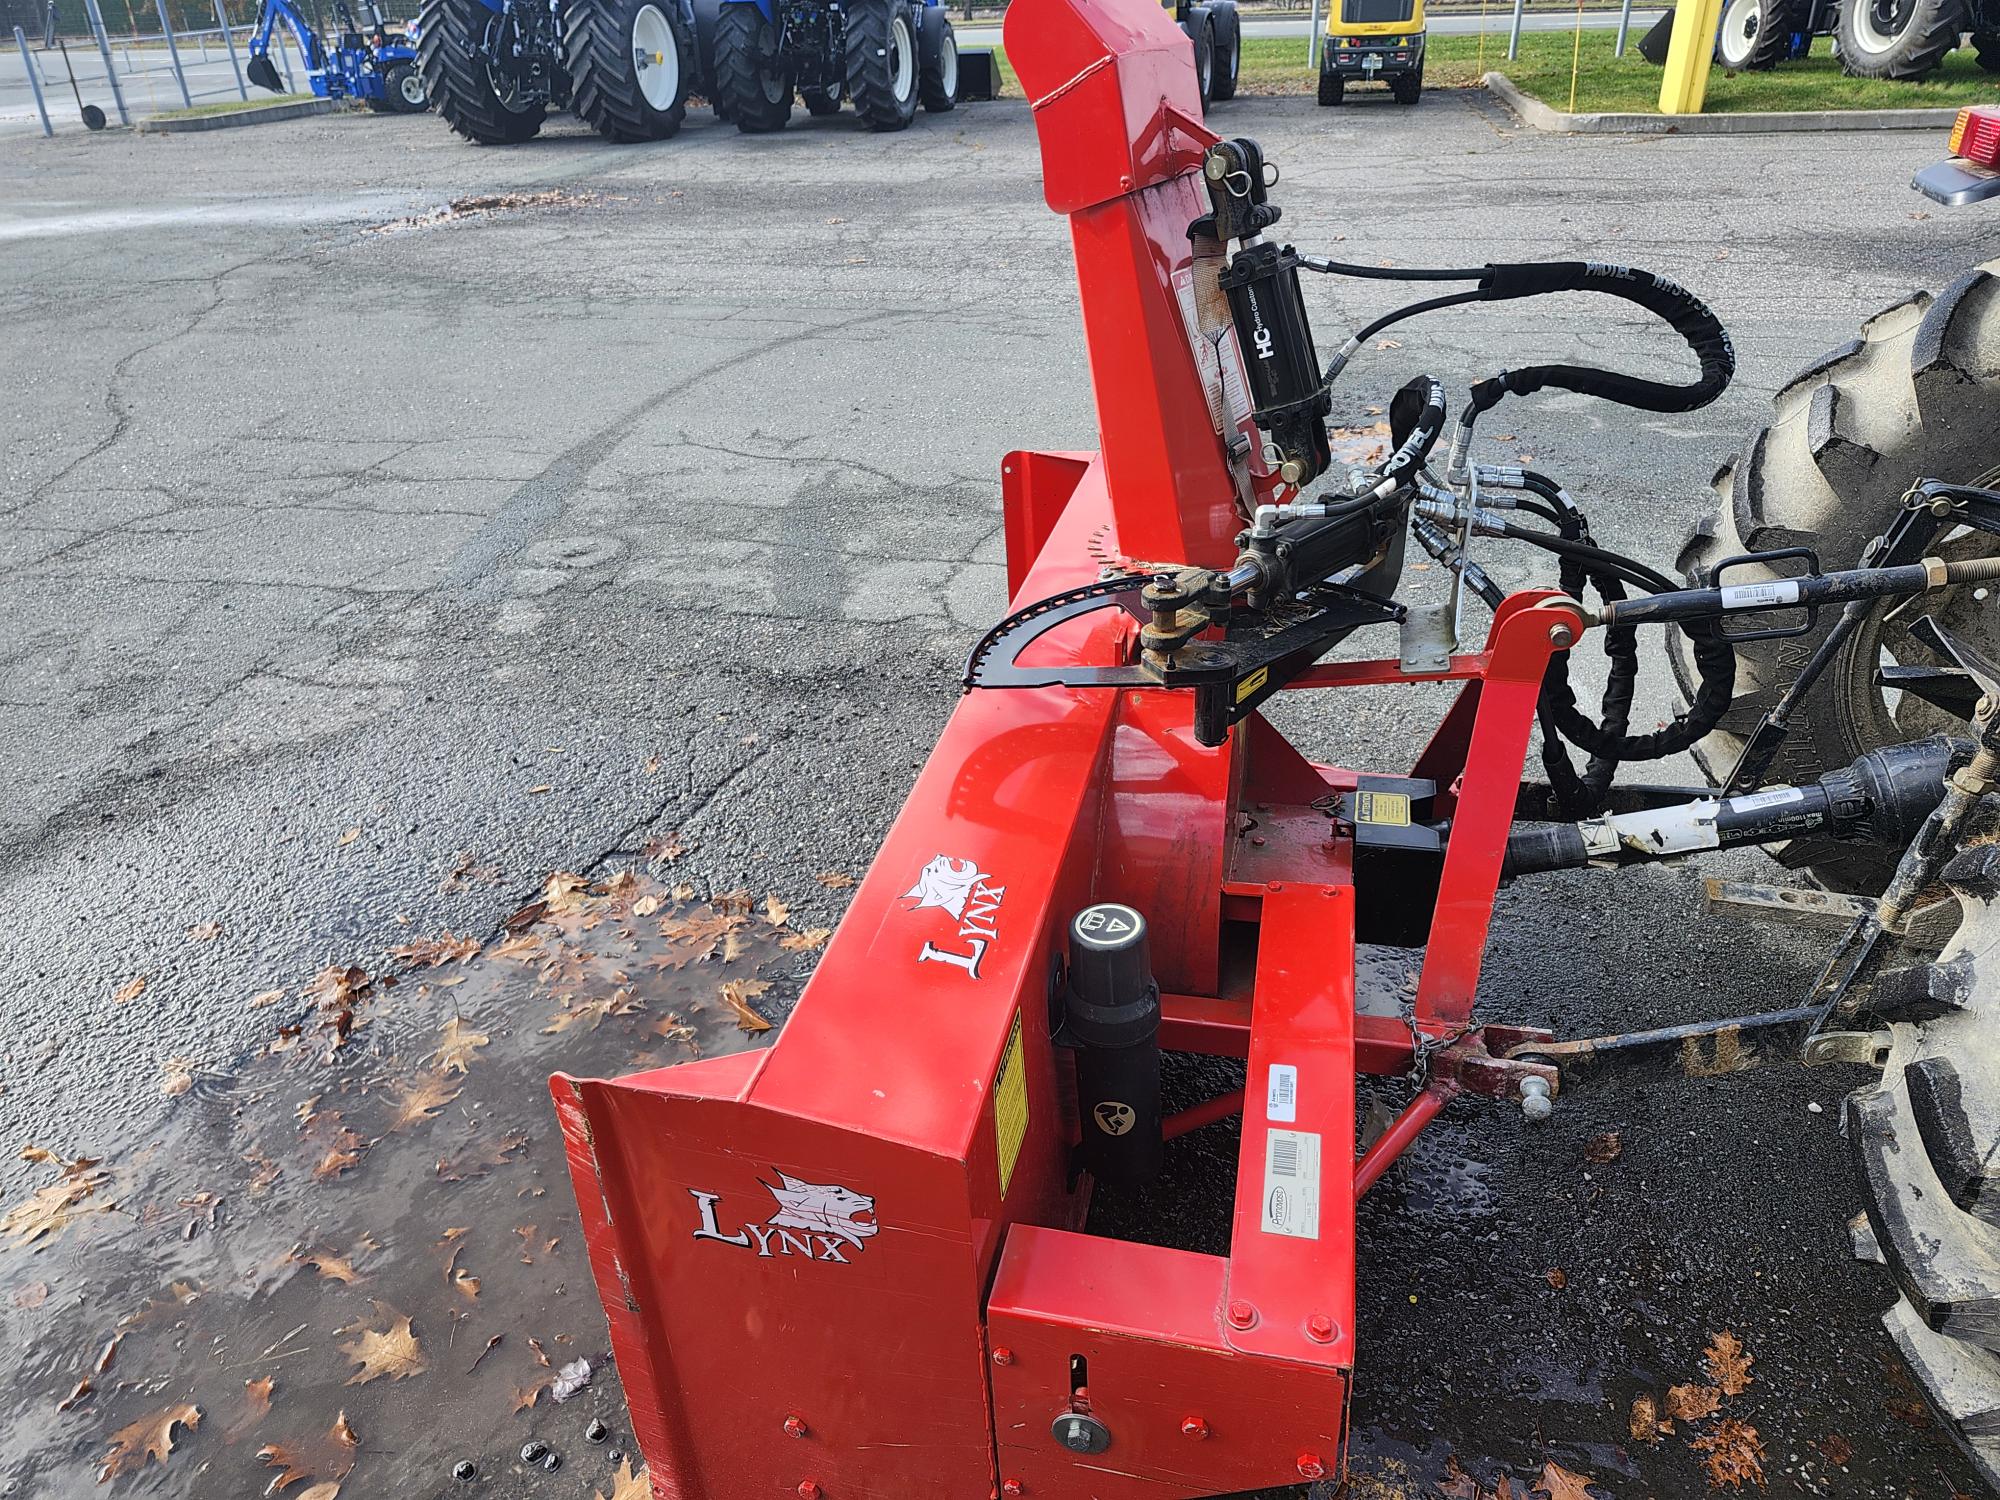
[363, 564]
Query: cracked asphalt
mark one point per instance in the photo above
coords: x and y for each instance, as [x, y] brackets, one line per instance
[344, 550]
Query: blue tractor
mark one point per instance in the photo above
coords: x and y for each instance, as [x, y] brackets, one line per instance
[885, 56]
[377, 66]
[495, 68]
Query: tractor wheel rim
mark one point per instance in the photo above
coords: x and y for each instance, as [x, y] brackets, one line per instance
[948, 66]
[657, 57]
[1739, 30]
[902, 59]
[412, 88]
[1880, 24]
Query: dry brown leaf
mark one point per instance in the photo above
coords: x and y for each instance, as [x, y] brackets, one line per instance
[526, 1396]
[147, 1441]
[646, 906]
[1646, 1422]
[523, 947]
[805, 942]
[536, 791]
[481, 1154]
[834, 880]
[431, 953]
[176, 1076]
[737, 995]
[131, 989]
[325, 1458]
[1733, 1452]
[1690, 1403]
[328, 1490]
[618, 1003]
[466, 1284]
[79, 1393]
[256, 1406]
[527, 1232]
[566, 893]
[329, 1265]
[461, 1041]
[626, 1485]
[420, 1100]
[668, 849]
[1556, 1277]
[205, 932]
[1728, 1363]
[349, 836]
[776, 912]
[265, 997]
[343, 1152]
[1562, 1484]
[1603, 1148]
[52, 1208]
[392, 1351]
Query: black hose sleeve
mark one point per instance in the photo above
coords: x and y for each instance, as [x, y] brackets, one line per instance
[1417, 411]
[1668, 300]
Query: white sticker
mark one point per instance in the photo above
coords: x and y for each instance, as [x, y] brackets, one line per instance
[1778, 797]
[1291, 1184]
[1760, 595]
[1206, 359]
[1281, 1094]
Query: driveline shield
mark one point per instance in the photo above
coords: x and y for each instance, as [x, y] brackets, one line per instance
[1112, 1017]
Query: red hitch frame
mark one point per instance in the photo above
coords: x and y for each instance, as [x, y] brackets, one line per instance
[854, 1264]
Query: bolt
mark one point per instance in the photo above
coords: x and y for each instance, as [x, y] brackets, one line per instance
[1561, 636]
[1242, 1315]
[1310, 1466]
[1536, 1105]
[1194, 1427]
[532, 1451]
[808, 1490]
[1319, 1328]
[552, 1462]
[1012, 1487]
[1003, 1356]
[464, 1470]
[596, 1432]
[615, 1457]
[795, 1425]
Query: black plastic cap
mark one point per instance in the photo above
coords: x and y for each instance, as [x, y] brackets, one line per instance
[1110, 960]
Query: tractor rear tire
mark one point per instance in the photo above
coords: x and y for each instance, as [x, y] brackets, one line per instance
[752, 86]
[457, 81]
[1332, 87]
[882, 63]
[1226, 27]
[629, 65]
[1916, 396]
[1926, 1145]
[1986, 50]
[1755, 35]
[1203, 37]
[937, 79]
[1901, 39]
[1407, 88]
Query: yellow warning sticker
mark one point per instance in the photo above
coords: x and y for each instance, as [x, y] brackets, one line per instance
[1010, 1106]
[1251, 683]
[1392, 808]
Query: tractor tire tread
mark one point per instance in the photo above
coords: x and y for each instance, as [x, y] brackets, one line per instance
[1227, 64]
[604, 82]
[739, 91]
[456, 81]
[1916, 53]
[870, 77]
[931, 90]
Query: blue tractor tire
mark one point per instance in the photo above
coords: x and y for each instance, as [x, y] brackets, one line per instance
[753, 86]
[937, 56]
[458, 81]
[629, 64]
[882, 62]
[1754, 35]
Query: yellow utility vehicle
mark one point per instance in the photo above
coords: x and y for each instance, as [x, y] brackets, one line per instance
[1373, 41]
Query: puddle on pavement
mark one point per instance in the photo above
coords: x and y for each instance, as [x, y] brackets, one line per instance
[355, 1261]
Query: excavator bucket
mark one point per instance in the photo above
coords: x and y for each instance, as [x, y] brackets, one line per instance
[264, 73]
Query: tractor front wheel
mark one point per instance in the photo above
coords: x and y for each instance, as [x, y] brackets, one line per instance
[1203, 38]
[882, 63]
[629, 63]
[1227, 67]
[1901, 39]
[455, 57]
[1756, 35]
[1917, 396]
[937, 80]
[1407, 88]
[403, 90]
[752, 86]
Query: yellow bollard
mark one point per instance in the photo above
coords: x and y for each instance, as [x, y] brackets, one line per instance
[1685, 84]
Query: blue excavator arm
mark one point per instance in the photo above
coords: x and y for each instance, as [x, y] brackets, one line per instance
[262, 72]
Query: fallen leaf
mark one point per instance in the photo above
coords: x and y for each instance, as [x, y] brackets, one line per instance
[776, 912]
[466, 1284]
[625, 1485]
[52, 1208]
[1561, 1484]
[1728, 1363]
[34, 1294]
[392, 1351]
[1556, 1277]
[1603, 1148]
[805, 942]
[77, 1396]
[650, 765]
[431, 953]
[342, 1154]
[1837, 1449]
[1690, 1403]
[481, 1154]
[526, 1396]
[834, 880]
[147, 1441]
[461, 1041]
[1457, 1484]
[527, 1231]
[618, 1003]
[330, 1490]
[668, 849]
[1646, 1422]
[266, 997]
[131, 989]
[522, 947]
[1388, 344]
[176, 1076]
[330, 1266]
[256, 1406]
[205, 932]
[645, 906]
[328, 1458]
[566, 893]
[420, 1100]
[536, 791]
[737, 995]
[1734, 1453]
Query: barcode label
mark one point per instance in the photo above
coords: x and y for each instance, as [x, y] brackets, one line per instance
[1291, 1184]
[1281, 1094]
[1760, 595]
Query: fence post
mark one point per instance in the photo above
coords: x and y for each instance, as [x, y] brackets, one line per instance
[174, 53]
[1514, 32]
[28, 62]
[1624, 26]
[1313, 41]
[285, 58]
[104, 49]
[229, 37]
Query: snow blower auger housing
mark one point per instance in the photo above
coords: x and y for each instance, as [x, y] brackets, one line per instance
[857, 1263]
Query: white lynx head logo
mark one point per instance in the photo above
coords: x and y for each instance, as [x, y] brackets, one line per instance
[823, 1208]
[945, 882]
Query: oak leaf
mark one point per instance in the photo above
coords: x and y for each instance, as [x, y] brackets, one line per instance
[776, 912]
[526, 1396]
[481, 1154]
[1728, 1363]
[1561, 1484]
[1734, 1453]
[805, 942]
[330, 1457]
[460, 1040]
[834, 880]
[737, 995]
[431, 953]
[1690, 1403]
[147, 1441]
[343, 1152]
[646, 906]
[266, 997]
[419, 1101]
[626, 1485]
[392, 1351]
[566, 893]
[520, 946]
[52, 1208]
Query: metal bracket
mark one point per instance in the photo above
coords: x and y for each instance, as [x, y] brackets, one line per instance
[1427, 639]
[1868, 1049]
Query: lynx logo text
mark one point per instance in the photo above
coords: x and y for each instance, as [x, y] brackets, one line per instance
[816, 1220]
[966, 894]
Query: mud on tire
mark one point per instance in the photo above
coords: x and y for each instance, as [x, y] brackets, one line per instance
[623, 88]
[1916, 396]
[456, 77]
